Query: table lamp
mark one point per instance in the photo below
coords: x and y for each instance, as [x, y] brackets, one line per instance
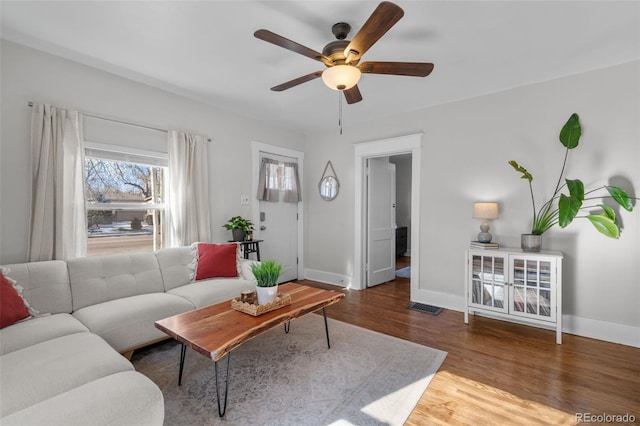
[485, 211]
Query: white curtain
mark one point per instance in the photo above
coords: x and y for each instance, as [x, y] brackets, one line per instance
[268, 181]
[188, 216]
[275, 177]
[291, 184]
[58, 212]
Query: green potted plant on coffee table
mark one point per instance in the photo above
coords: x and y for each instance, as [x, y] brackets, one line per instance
[561, 209]
[267, 273]
[239, 227]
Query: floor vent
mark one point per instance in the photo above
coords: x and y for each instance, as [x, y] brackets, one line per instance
[430, 309]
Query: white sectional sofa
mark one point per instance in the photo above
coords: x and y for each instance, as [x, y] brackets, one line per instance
[64, 366]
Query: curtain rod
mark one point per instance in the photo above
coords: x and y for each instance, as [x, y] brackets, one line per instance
[157, 129]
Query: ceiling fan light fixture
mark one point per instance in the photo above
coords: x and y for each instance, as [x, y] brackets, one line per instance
[341, 77]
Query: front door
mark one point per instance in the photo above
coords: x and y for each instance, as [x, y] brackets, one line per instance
[381, 226]
[278, 227]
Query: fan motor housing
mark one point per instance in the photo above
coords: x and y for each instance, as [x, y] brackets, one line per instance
[335, 51]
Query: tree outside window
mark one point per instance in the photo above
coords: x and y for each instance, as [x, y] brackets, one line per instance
[125, 206]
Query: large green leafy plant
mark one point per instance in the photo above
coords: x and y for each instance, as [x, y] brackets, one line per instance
[266, 273]
[561, 208]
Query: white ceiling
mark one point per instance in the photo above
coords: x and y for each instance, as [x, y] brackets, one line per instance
[206, 50]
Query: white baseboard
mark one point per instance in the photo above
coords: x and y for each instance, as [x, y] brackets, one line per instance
[602, 330]
[328, 277]
[436, 298]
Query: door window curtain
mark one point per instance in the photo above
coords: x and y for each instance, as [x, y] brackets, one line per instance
[188, 190]
[275, 177]
[58, 212]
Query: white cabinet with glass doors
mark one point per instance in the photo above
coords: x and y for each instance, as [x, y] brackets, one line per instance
[517, 286]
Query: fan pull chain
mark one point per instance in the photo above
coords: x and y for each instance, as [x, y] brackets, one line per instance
[340, 110]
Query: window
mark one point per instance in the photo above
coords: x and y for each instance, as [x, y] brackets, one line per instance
[281, 176]
[124, 192]
[276, 177]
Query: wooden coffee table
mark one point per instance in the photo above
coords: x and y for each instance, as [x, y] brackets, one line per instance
[215, 330]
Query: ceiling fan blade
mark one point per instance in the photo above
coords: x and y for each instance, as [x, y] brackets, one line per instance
[413, 69]
[381, 20]
[297, 81]
[352, 95]
[278, 40]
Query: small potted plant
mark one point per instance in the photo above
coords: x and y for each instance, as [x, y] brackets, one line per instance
[267, 273]
[561, 208]
[239, 227]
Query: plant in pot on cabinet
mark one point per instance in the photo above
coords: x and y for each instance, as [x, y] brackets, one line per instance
[561, 209]
[239, 227]
[267, 273]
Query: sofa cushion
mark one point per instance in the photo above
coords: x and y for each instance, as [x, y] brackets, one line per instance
[209, 292]
[217, 261]
[45, 285]
[177, 266]
[245, 270]
[128, 323]
[44, 370]
[99, 279]
[37, 330]
[126, 398]
[12, 307]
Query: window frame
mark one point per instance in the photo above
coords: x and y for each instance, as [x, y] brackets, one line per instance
[147, 158]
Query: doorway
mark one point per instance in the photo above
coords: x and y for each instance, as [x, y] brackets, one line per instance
[410, 144]
[279, 224]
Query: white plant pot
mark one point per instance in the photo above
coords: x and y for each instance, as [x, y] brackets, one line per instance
[266, 294]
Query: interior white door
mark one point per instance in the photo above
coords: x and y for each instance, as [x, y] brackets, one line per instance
[381, 226]
[278, 227]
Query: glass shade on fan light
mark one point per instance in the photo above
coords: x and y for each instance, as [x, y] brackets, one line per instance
[341, 77]
[485, 211]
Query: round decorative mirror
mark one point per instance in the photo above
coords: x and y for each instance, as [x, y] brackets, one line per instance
[329, 187]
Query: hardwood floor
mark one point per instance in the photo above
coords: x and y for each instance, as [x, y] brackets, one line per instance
[499, 373]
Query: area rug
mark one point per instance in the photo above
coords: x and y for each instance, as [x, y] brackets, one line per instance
[366, 378]
[404, 272]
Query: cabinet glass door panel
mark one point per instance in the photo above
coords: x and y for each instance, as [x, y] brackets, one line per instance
[476, 294]
[545, 303]
[532, 301]
[518, 299]
[532, 273]
[518, 271]
[532, 288]
[545, 274]
[498, 296]
[488, 282]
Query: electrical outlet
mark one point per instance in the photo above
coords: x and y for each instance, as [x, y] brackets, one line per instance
[244, 199]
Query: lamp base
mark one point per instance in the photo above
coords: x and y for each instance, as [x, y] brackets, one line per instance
[484, 237]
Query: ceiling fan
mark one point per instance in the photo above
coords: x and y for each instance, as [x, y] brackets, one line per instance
[342, 56]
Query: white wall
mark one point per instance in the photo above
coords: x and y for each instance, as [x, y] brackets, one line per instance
[31, 75]
[466, 147]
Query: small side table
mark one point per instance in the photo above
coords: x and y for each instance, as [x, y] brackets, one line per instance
[250, 246]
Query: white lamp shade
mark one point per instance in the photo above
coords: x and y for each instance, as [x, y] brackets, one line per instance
[485, 210]
[341, 77]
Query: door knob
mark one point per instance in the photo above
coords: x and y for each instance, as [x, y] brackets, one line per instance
[262, 227]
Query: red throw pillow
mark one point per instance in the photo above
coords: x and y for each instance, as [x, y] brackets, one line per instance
[12, 307]
[217, 261]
